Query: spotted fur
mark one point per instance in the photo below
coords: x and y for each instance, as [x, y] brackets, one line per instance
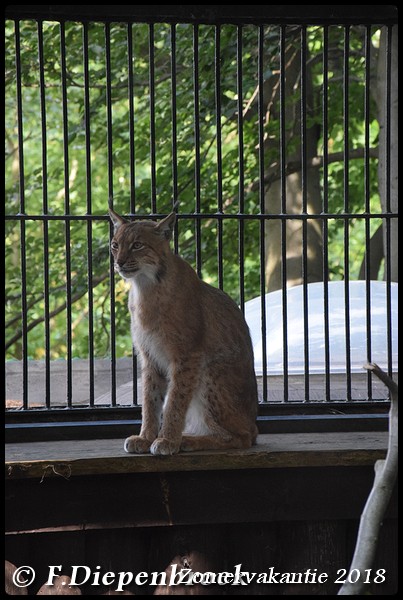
[198, 374]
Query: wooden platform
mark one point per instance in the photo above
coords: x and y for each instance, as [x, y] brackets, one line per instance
[291, 502]
[71, 458]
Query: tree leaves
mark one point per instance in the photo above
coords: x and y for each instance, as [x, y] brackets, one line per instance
[122, 157]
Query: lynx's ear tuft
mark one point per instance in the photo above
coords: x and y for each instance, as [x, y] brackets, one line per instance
[116, 219]
[166, 226]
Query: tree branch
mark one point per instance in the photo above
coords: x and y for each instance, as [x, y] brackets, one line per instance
[274, 172]
[96, 281]
[378, 499]
[315, 162]
[75, 283]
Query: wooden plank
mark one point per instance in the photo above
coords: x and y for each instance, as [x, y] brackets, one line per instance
[65, 459]
[201, 497]
[57, 548]
[311, 548]
[259, 548]
[115, 551]
[200, 549]
[255, 546]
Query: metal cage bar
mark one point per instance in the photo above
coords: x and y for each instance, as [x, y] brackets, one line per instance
[388, 169]
[346, 182]
[88, 166]
[239, 214]
[109, 138]
[151, 54]
[45, 224]
[367, 201]
[283, 162]
[304, 177]
[325, 100]
[132, 154]
[24, 304]
[69, 336]
[197, 168]
[260, 68]
[217, 81]
[241, 185]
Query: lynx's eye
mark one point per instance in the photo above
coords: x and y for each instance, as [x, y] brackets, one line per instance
[137, 246]
[114, 245]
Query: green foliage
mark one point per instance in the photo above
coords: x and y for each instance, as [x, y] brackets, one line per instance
[58, 255]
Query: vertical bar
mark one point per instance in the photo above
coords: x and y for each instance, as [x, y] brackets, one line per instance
[346, 204]
[325, 223]
[304, 174]
[174, 145]
[132, 184]
[283, 188]
[174, 116]
[197, 146]
[109, 139]
[262, 208]
[388, 167]
[152, 120]
[87, 128]
[24, 307]
[45, 212]
[109, 143]
[131, 118]
[241, 168]
[69, 339]
[367, 51]
[217, 65]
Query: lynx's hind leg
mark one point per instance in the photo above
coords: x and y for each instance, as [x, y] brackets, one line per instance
[191, 443]
[218, 437]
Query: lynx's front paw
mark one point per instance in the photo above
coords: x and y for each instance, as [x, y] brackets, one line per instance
[137, 445]
[163, 446]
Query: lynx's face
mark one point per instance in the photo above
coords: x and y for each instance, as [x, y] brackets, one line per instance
[140, 248]
[133, 250]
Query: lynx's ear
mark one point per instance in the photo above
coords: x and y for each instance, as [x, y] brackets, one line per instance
[116, 219]
[166, 226]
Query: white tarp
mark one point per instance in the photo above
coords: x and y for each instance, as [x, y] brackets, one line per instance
[316, 327]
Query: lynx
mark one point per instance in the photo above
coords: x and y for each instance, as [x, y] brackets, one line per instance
[199, 384]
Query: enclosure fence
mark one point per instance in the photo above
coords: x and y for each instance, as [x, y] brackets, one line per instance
[276, 134]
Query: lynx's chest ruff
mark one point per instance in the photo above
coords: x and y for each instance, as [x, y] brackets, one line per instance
[147, 334]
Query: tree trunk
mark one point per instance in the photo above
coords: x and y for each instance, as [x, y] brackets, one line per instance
[383, 100]
[294, 237]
